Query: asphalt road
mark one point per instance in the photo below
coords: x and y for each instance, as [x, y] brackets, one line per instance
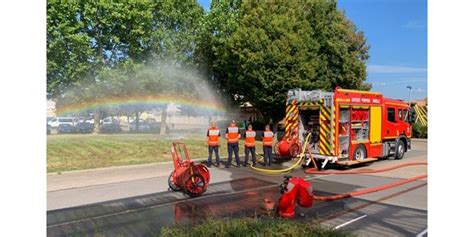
[141, 207]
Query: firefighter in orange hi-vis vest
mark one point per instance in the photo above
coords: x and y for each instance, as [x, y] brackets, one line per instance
[267, 146]
[249, 145]
[232, 135]
[213, 135]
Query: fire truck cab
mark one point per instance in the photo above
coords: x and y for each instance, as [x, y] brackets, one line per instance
[349, 126]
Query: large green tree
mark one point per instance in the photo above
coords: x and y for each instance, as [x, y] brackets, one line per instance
[272, 47]
[217, 26]
[176, 25]
[88, 43]
[68, 47]
[84, 38]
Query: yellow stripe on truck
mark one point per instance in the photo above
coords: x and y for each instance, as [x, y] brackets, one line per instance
[324, 142]
[323, 150]
[291, 118]
[325, 131]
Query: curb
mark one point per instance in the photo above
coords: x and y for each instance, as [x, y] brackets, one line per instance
[116, 167]
[420, 139]
[129, 166]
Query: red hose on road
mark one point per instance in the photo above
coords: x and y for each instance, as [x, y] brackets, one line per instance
[367, 190]
[315, 170]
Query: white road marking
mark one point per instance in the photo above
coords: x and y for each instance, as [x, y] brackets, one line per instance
[422, 233]
[347, 223]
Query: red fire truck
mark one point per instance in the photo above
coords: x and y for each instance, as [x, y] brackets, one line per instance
[347, 126]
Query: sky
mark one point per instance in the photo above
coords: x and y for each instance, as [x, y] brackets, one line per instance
[396, 31]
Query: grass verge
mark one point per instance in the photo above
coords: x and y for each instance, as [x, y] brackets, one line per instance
[250, 227]
[77, 151]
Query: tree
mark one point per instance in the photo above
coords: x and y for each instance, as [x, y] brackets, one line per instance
[252, 51]
[280, 46]
[220, 23]
[89, 42]
[86, 38]
[68, 47]
[174, 44]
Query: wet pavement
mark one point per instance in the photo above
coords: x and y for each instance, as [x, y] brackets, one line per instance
[146, 215]
[141, 206]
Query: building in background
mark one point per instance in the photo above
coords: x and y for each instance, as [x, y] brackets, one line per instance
[422, 102]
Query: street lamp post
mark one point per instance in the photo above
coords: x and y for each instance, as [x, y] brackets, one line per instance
[409, 94]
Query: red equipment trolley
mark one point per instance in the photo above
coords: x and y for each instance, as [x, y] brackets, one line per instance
[290, 148]
[190, 178]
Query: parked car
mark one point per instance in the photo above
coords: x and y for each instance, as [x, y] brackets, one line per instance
[109, 120]
[89, 120]
[143, 126]
[154, 125]
[84, 127]
[110, 128]
[66, 128]
[56, 121]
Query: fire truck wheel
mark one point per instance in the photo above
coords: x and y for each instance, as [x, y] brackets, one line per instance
[359, 153]
[400, 152]
[171, 184]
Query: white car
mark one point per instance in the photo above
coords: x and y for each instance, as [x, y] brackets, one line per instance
[109, 120]
[56, 121]
[91, 121]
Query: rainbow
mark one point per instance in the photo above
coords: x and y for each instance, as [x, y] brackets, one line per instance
[150, 100]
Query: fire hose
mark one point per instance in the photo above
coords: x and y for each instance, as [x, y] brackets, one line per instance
[349, 194]
[296, 164]
[315, 170]
[367, 190]
[296, 190]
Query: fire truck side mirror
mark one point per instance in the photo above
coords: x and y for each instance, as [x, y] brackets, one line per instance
[412, 117]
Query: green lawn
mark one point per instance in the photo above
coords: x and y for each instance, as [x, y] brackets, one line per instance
[248, 227]
[76, 151]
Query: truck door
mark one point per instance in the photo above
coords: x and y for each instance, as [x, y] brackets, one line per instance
[390, 129]
[375, 132]
[375, 125]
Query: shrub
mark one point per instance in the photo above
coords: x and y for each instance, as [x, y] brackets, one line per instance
[252, 227]
[420, 131]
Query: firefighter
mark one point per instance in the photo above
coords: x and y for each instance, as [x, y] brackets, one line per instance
[232, 135]
[213, 135]
[249, 145]
[267, 145]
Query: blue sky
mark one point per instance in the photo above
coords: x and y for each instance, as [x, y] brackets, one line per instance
[396, 31]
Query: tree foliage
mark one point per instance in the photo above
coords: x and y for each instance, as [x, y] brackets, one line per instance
[266, 48]
[92, 47]
[252, 51]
